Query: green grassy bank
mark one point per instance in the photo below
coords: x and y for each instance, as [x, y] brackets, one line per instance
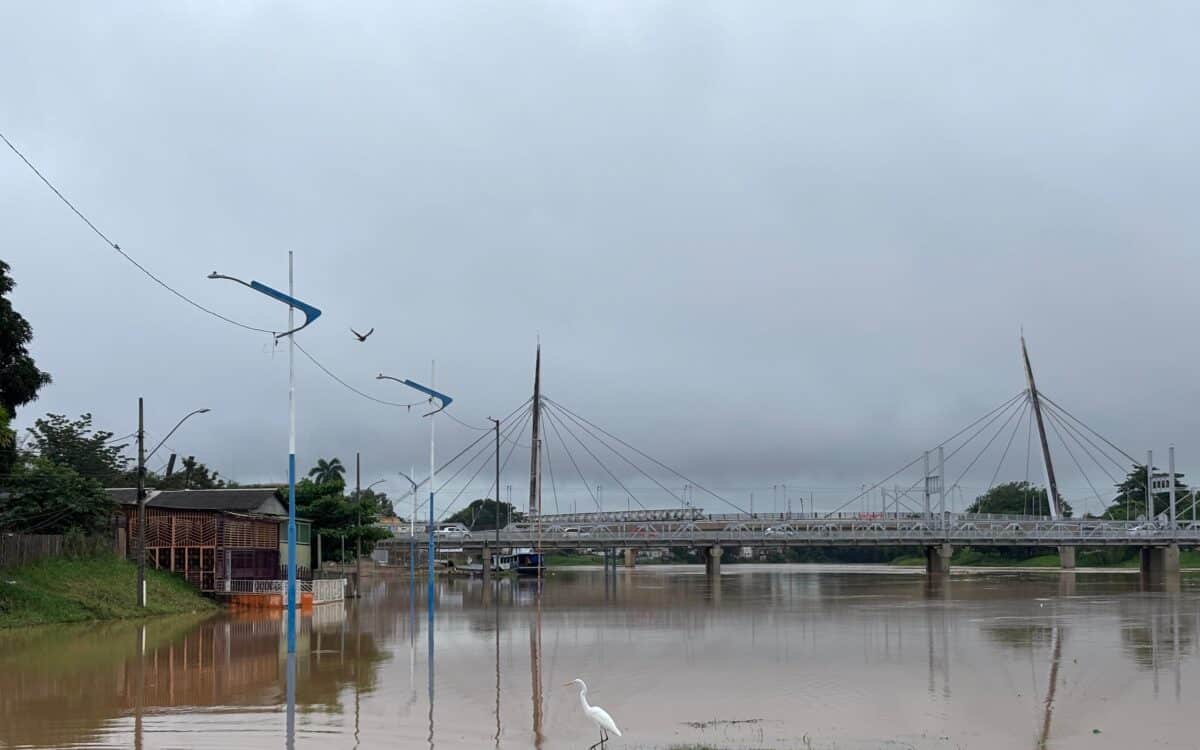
[95, 588]
[969, 557]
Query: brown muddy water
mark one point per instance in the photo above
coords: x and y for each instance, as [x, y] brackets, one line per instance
[767, 657]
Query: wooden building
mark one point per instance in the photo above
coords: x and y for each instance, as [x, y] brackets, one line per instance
[210, 536]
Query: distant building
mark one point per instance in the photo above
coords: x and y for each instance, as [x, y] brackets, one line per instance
[394, 526]
[210, 536]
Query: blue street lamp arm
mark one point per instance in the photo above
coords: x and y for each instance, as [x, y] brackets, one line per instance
[442, 398]
[310, 313]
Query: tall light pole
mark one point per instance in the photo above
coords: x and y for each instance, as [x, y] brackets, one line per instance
[143, 457]
[412, 549]
[310, 314]
[443, 401]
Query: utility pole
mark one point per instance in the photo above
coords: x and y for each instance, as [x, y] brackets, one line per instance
[141, 500]
[358, 531]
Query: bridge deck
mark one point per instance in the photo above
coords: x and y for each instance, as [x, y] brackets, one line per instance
[848, 530]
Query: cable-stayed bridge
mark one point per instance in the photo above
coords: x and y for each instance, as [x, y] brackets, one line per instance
[908, 507]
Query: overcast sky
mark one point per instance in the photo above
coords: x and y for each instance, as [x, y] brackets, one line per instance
[763, 242]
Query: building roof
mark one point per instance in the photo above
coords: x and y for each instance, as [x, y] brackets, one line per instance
[242, 500]
[123, 495]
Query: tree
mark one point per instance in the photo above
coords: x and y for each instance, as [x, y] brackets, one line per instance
[20, 378]
[1016, 498]
[336, 516]
[1130, 502]
[328, 472]
[74, 443]
[8, 439]
[48, 498]
[481, 515]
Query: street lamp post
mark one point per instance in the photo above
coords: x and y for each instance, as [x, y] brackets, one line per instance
[143, 457]
[412, 548]
[310, 314]
[444, 401]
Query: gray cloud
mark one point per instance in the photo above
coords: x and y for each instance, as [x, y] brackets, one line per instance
[765, 243]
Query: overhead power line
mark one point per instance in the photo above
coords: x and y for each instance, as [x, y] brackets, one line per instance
[122, 253]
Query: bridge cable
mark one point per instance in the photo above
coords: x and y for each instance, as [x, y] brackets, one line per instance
[1079, 438]
[1007, 403]
[1066, 423]
[571, 456]
[1089, 429]
[650, 458]
[553, 484]
[445, 465]
[515, 428]
[1028, 455]
[984, 450]
[872, 488]
[466, 464]
[600, 463]
[1053, 420]
[1016, 428]
[994, 415]
[622, 456]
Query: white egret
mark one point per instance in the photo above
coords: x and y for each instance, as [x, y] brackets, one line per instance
[598, 715]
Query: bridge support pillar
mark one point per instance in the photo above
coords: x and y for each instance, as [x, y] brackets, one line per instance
[630, 557]
[1067, 557]
[712, 560]
[937, 559]
[1159, 562]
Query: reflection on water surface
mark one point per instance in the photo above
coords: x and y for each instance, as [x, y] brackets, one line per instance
[766, 656]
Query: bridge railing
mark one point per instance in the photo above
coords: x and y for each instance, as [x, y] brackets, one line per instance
[918, 528]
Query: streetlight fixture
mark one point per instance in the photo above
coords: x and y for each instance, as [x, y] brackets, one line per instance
[143, 457]
[443, 401]
[310, 314]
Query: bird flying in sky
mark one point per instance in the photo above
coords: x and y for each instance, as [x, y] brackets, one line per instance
[362, 336]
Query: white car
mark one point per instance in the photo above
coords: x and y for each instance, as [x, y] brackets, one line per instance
[453, 532]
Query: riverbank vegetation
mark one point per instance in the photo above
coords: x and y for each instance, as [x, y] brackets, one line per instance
[104, 587]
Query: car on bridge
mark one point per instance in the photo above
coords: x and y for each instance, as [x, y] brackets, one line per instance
[452, 531]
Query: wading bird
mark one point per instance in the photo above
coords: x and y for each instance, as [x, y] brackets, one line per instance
[362, 336]
[598, 715]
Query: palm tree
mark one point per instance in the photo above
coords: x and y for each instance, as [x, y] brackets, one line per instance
[328, 472]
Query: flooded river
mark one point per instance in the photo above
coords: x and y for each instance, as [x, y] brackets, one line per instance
[766, 657]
